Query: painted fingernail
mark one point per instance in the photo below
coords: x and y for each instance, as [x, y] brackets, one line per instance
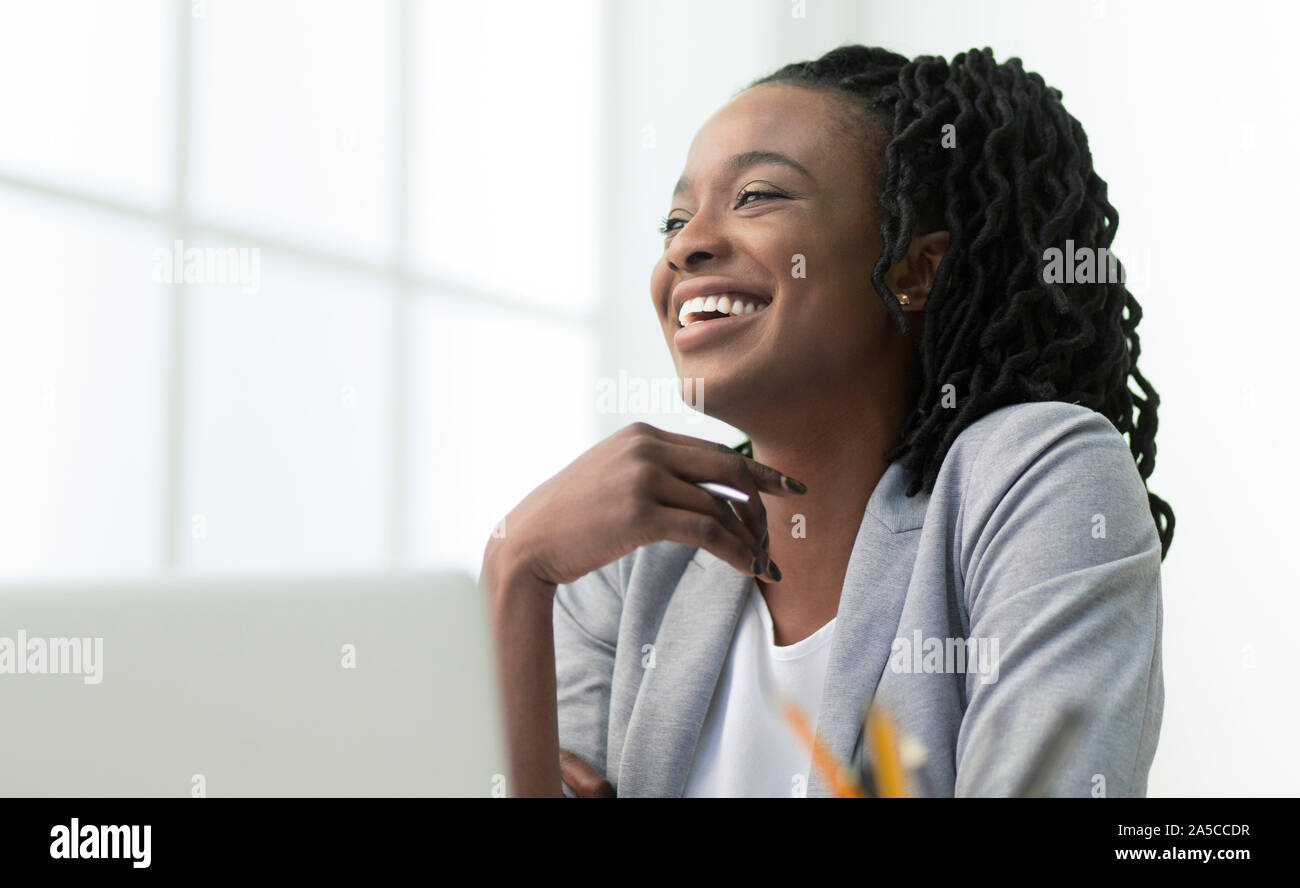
[757, 568]
[766, 539]
[792, 485]
[773, 571]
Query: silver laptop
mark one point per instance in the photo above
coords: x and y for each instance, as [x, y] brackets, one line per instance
[288, 686]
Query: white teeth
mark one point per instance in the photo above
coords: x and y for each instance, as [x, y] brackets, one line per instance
[690, 305]
[724, 304]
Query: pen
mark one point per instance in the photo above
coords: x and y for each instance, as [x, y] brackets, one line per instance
[722, 491]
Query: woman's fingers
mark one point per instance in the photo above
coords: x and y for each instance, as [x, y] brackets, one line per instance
[730, 468]
[663, 472]
[585, 780]
[673, 492]
[720, 457]
[754, 515]
[707, 531]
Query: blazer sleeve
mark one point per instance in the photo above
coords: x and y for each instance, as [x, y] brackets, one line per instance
[586, 620]
[1060, 559]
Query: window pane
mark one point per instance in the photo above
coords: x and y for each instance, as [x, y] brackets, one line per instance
[288, 420]
[86, 95]
[506, 148]
[82, 388]
[293, 121]
[501, 403]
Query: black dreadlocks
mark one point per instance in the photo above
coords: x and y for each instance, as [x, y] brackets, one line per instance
[1013, 178]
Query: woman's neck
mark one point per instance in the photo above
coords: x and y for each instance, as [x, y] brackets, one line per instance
[812, 535]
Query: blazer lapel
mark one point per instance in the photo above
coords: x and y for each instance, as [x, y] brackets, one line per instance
[871, 602]
[674, 697]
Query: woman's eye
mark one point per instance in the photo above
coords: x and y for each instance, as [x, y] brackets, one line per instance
[743, 198]
[669, 225]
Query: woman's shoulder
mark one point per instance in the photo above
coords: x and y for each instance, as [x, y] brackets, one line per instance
[1054, 441]
[1061, 442]
[1052, 486]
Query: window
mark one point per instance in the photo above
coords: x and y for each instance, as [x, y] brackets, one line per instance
[271, 271]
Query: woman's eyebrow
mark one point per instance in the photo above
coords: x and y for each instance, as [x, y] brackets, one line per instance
[738, 163]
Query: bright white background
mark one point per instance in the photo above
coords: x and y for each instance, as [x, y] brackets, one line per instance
[455, 206]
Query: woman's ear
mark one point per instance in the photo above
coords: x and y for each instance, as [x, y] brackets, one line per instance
[914, 274]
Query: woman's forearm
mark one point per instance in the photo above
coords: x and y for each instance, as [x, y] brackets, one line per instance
[521, 608]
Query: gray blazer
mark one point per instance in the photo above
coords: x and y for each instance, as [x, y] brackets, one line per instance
[1037, 543]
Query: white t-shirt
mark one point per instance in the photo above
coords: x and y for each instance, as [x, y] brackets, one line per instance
[746, 747]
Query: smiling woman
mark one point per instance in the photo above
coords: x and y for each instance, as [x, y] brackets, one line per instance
[853, 264]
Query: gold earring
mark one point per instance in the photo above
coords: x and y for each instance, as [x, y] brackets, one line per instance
[904, 299]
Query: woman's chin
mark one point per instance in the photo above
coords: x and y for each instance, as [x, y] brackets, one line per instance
[725, 395]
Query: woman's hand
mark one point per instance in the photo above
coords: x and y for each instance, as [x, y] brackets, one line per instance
[634, 488]
[585, 780]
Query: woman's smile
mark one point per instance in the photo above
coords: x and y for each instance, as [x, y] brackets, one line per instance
[705, 328]
[713, 306]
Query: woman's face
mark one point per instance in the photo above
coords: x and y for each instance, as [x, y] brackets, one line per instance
[776, 208]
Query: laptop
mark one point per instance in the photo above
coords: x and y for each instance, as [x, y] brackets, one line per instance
[356, 685]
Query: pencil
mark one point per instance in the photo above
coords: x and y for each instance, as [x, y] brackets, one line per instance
[886, 756]
[842, 782]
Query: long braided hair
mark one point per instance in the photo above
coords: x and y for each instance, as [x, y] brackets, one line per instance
[1014, 179]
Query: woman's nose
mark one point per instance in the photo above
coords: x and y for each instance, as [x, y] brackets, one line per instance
[698, 241]
[691, 260]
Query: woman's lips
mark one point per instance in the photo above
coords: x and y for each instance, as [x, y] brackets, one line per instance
[701, 332]
[719, 304]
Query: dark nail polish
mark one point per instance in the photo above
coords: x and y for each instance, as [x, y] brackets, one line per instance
[757, 567]
[773, 571]
[792, 485]
[766, 539]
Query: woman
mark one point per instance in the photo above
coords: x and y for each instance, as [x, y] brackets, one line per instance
[936, 465]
